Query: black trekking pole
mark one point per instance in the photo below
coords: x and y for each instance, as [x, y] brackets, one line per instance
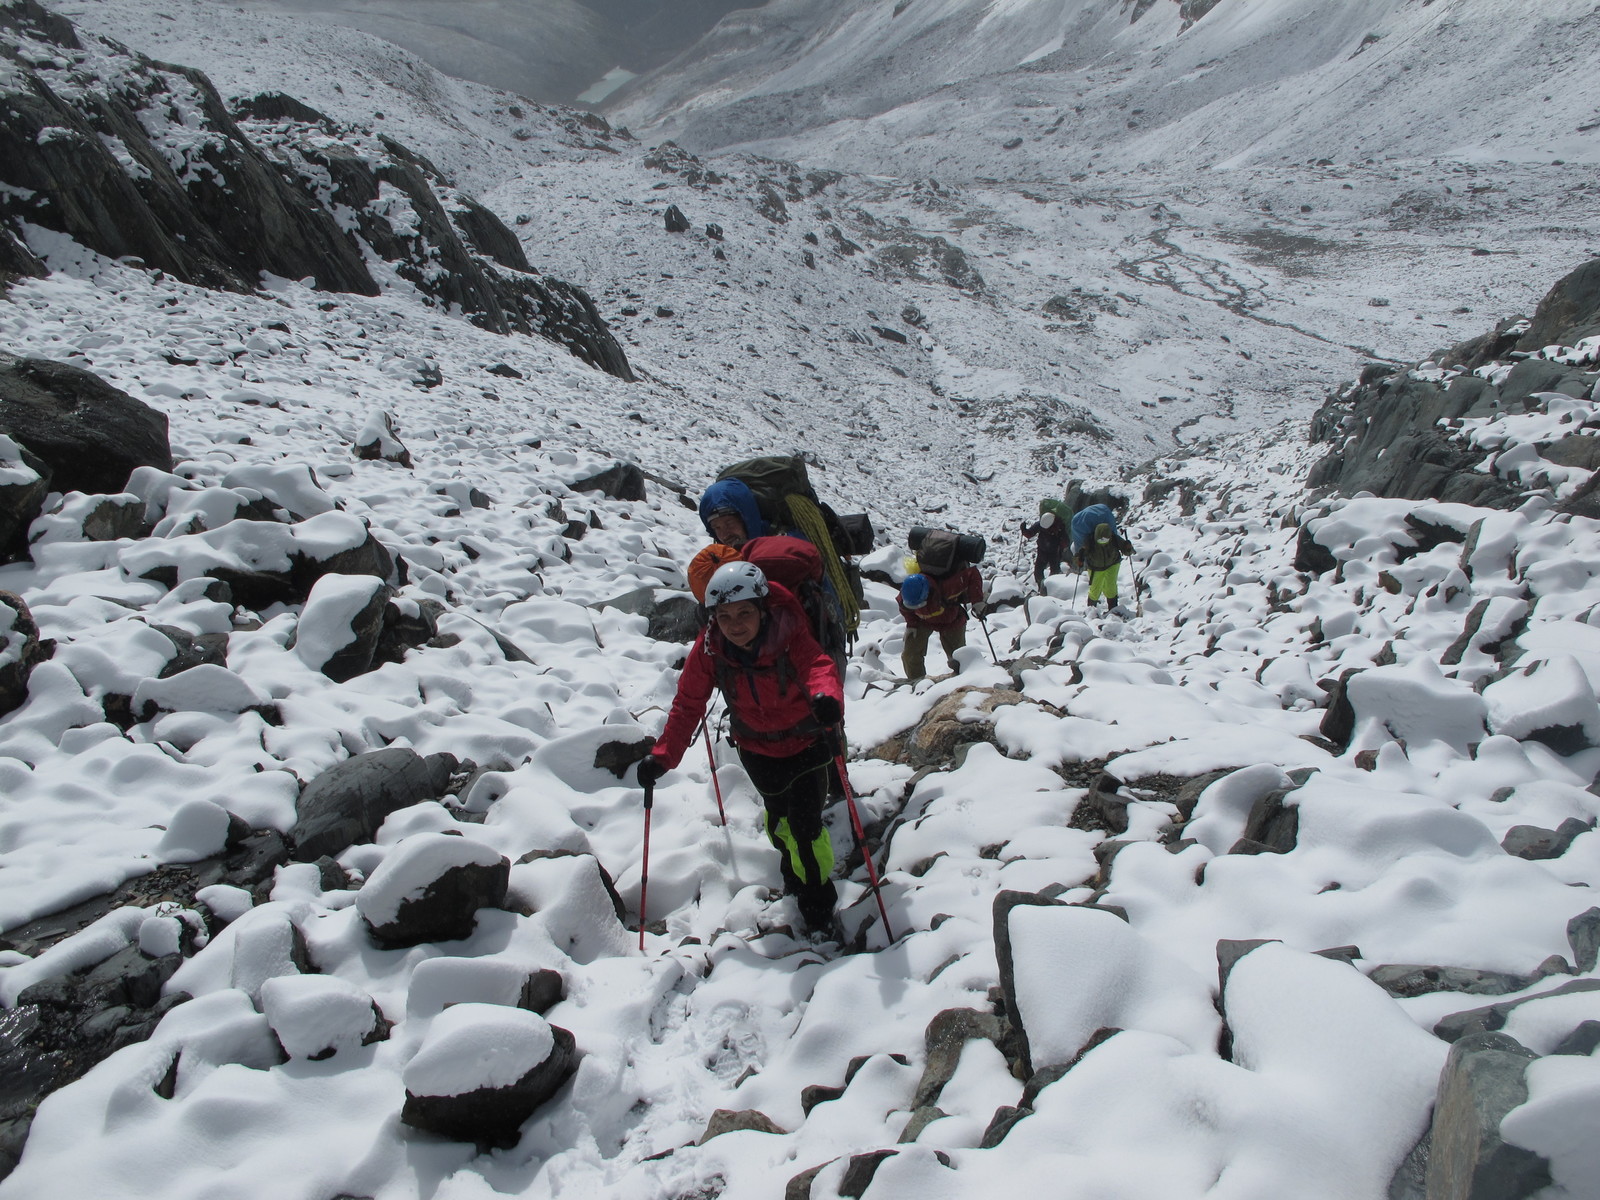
[861, 834]
[1076, 575]
[984, 626]
[644, 877]
[705, 728]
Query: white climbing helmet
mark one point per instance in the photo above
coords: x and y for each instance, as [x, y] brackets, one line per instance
[1046, 519]
[735, 581]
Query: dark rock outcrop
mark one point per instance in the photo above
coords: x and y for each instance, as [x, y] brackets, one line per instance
[347, 803]
[20, 501]
[1569, 312]
[671, 616]
[251, 191]
[89, 434]
[445, 908]
[1482, 1081]
[17, 633]
[619, 481]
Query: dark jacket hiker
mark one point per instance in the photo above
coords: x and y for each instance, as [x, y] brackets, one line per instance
[1051, 551]
[785, 702]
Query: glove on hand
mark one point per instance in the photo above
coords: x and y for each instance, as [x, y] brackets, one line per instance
[826, 709]
[651, 770]
[979, 607]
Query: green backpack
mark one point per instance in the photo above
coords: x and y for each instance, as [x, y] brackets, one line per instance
[1059, 507]
[787, 501]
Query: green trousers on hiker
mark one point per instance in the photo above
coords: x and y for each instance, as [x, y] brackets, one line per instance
[1104, 583]
[914, 655]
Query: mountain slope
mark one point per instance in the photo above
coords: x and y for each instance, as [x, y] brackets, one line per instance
[1249, 81]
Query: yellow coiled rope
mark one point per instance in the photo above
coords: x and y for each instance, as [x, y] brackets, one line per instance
[808, 520]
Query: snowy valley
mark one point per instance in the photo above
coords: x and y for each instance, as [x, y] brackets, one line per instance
[319, 874]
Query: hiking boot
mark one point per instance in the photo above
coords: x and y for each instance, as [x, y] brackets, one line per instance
[816, 906]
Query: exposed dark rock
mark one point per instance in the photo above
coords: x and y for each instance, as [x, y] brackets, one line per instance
[1310, 555]
[1483, 1079]
[947, 1035]
[1583, 935]
[799, 1186]
[726, 1120]
[672, 616]
[1569, 312]
[620, 481]
[675, 221]
[19, 634]
[1339, 721]
[1493, 1016]
[921, 1118]
[404, 629]
[1004, 902]
[91, 435]
[379, 441]
[21, 502]
[370, 557]
[492, 1117]
[1582, 1041]
[1229, 952]
[1004, 1119]
[447, 908]
[617, 756]
[714, 232]
[1530, 841]
[217, 219]
[1406, 980]
[858, 1175]
[1272, 826]
[347, 802]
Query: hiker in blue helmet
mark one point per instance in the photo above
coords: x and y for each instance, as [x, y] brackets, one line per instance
[729, 511]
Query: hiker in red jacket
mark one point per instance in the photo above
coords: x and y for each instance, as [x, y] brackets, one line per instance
[785, 701]
[937, 604]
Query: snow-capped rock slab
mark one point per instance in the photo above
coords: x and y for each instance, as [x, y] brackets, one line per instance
[438, 983]
[1551, 702]
[1415, 703]
[429, 889]
[206, 688]
[1075, 971]
[316, 1016]
[482, 1070]
[339, 626]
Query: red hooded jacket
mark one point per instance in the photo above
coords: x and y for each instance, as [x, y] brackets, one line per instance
[769, 697]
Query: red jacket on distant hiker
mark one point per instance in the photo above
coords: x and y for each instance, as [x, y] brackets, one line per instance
[947, 598]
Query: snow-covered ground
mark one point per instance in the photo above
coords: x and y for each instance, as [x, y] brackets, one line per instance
[1214, 312]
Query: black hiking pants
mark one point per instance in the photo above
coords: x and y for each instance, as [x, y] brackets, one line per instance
[794, 791]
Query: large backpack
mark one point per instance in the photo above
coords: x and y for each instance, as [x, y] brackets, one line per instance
[941, 551]
[797, 565]
[1084, 522]
[787, 501]
[1051, 504]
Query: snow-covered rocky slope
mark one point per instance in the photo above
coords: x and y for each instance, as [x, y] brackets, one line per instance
[926, 86]
[1362, 726]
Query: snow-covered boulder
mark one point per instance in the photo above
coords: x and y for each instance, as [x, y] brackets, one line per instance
[482, 1070]
[316, 1016]
[340, 625]
[379, 439]
[267, 944]
[207, 688]
[1415, 703]
[1070, 971]
[438, 983]
[1551, 702]
[348, 802]
[429, 889]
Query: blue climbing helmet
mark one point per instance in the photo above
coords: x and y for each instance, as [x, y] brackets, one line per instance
[914, 591]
